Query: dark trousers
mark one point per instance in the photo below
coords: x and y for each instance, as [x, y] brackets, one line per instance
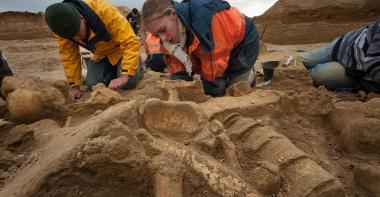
[103, 72]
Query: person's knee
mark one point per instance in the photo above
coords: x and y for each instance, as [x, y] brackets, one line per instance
[302, 57]
[307, 61]
[315, 57]
[327, 71]
[249, 77]
[90, 83]
[332, 75]
[96, 72]
[92, 80]
[215, 88]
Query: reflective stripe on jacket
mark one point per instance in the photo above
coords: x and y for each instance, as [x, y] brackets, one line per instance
[155, 52]
[153, 45]
[123, 44]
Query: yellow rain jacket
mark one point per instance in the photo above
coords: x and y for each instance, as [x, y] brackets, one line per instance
[124, 44]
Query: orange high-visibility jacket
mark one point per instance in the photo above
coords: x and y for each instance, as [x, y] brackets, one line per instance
[228, 31]
[153, 45]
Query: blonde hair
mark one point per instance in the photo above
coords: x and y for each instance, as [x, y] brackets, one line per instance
[156, 8]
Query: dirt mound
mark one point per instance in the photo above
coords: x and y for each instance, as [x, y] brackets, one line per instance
[30, 100]
[166, 138]
[117, 151]
[26, 25]
[314, 21]
[297, 11]
[23, 25]
[271, 141]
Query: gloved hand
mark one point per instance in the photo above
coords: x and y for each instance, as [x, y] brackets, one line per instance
[75, 92]
[119, 82]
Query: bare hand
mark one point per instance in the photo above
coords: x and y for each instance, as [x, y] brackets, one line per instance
[118, 82]
[75, 92]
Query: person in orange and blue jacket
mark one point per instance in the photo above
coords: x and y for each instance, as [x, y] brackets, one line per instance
[99, 27]
[206, 37]
[155, 52]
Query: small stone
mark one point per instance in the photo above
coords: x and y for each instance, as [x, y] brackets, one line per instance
[98, 112]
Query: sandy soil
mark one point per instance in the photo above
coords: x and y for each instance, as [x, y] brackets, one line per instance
[304, 32]
[305, 22]
[167, 138]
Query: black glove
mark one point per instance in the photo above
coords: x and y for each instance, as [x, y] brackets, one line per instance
[156, 62]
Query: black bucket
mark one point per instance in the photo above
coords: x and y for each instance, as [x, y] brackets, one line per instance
[268, 68]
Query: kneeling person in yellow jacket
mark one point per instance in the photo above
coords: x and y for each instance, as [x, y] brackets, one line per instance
[99, 27]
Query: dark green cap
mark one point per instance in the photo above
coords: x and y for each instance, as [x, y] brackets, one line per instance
[63, 19]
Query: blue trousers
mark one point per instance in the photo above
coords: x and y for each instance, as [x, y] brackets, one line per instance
[103, 72]
[324, 70]
[331, 74]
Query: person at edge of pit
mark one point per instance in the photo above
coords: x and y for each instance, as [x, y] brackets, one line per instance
[134, 20]
[155, 52]
[206, 37]
[99, 27]
[349, 63]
